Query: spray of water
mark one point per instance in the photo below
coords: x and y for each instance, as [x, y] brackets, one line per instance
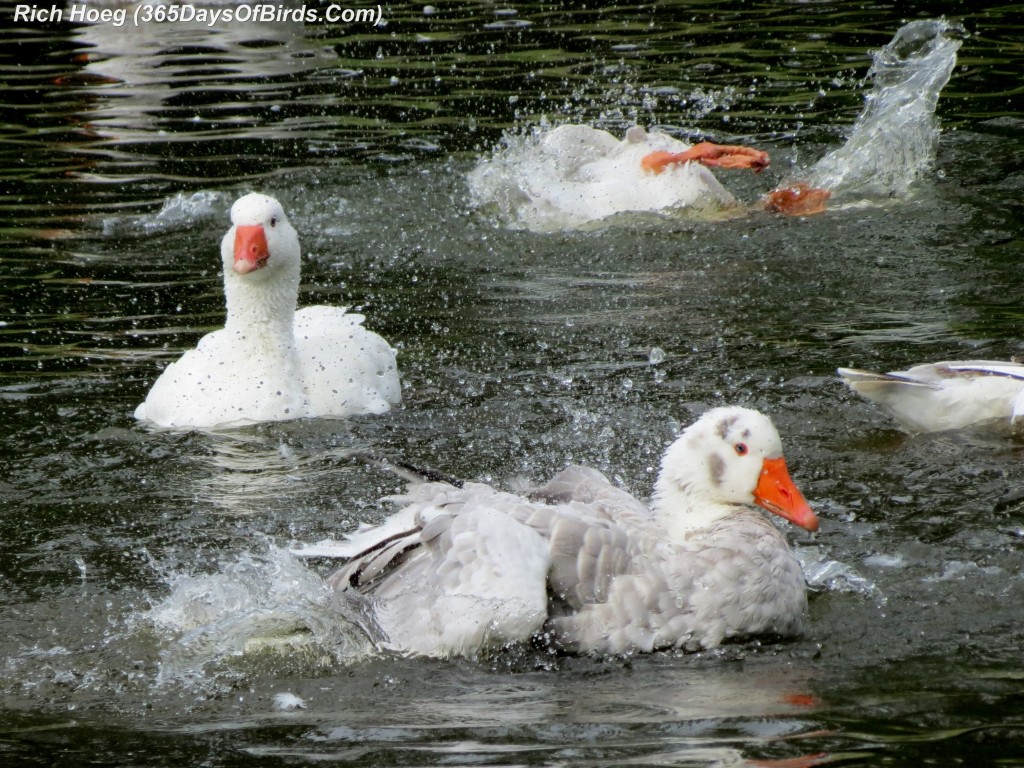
[894, 139]
[536, 183]
[261, 604]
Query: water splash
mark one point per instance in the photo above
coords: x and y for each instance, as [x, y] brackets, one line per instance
[179, 212]
[894, 140]
[824, 573]
[571, 176]
[259, 605]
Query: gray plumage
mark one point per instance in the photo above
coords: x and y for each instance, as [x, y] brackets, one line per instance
[458, 570]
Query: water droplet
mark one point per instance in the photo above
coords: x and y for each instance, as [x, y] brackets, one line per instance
[288, 702]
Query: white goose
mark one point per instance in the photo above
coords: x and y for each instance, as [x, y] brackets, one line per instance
[459, 570]
[573, 175]
[949, 395]
[271, 362]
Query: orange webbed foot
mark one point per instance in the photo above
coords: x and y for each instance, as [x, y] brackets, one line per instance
[797, 200]
[710, 154]
[656, 162]
[731, 156]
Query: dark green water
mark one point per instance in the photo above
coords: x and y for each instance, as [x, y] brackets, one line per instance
[134, 565]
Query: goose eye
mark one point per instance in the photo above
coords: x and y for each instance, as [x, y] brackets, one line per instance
[741, 449]
[273, 221]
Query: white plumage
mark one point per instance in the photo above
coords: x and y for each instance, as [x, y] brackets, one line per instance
[949, 395]
[459, 570]
[573, 175]
[271, 362]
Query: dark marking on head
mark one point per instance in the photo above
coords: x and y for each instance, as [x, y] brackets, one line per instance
[716, 466]
[746, 434]
[723, 426]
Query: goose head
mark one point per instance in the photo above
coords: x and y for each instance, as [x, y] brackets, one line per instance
[729, 457]
[261, 241]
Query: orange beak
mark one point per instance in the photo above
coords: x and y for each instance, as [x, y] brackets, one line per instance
[777, 493]
[251, 250]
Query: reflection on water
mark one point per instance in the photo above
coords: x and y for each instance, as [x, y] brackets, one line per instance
[135, 565]
[138, 76]
[243, 470]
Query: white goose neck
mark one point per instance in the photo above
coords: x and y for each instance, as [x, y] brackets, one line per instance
[683, 511]
[262, 306]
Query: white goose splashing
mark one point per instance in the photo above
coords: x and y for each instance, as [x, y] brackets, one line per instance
[572, 176]
[895, 137]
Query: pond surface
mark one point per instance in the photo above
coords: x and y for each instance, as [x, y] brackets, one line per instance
[137, 567]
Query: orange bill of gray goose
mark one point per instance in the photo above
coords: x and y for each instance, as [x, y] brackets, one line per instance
[460, 570]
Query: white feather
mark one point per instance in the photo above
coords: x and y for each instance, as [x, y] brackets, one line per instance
[948, 395]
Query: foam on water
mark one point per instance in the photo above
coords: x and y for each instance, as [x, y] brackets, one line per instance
[894, 140]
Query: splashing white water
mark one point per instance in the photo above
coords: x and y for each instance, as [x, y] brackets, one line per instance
[267, 603]
[288, 702]
[824, 573]
[895, 137]
[570, 176]
[179, 212]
